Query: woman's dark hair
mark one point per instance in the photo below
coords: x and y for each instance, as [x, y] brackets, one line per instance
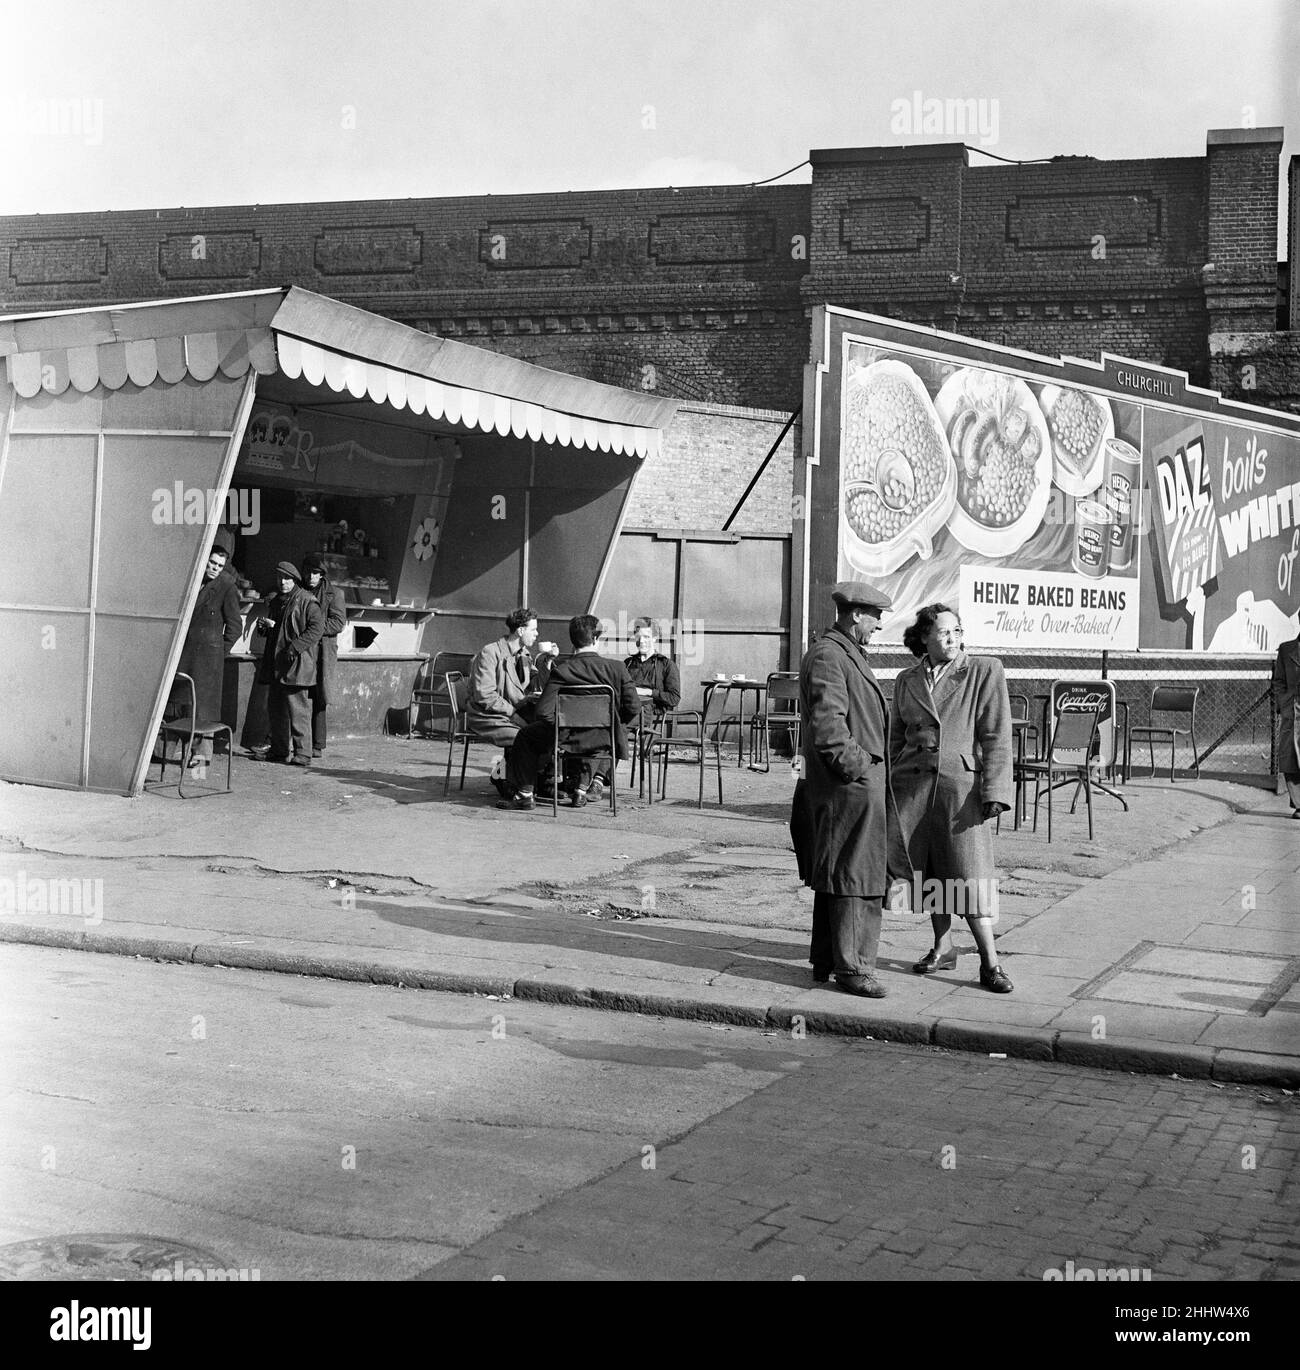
[914, 637]
[519, 618]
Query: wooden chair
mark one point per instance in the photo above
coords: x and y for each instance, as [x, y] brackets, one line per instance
[584, 707]
[1168, 700]
[780, 709]
[188, 729]
[1069, 758]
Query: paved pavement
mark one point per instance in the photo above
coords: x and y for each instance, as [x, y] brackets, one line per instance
[914, 1165]
[319, 1129]
[1169, 944]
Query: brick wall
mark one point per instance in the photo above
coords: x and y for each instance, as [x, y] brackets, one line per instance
[703, 293]
[710, 454]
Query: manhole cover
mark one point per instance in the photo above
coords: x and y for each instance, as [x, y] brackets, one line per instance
[105, 1256]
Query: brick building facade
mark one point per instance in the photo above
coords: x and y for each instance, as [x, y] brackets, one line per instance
[702, 293]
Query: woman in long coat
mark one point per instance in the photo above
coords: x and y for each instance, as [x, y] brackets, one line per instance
[1286, 694]
[950, 739]
[214, 628]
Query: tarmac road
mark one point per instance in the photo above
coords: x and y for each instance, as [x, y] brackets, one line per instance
[308, 1128]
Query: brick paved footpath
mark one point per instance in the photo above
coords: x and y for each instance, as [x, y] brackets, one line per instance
[837, 1172]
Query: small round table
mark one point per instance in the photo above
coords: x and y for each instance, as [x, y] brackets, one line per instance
[759, 688]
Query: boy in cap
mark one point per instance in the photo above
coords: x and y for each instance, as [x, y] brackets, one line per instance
[293, 624]
[843, 821]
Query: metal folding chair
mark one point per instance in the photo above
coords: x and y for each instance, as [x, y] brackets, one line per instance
[189, 729]
[1180, 702]
[780, 709]
[1069, 759]
[662, 742]
[430, 683]
[584, 707]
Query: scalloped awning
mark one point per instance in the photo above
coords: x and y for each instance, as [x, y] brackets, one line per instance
[327, 343]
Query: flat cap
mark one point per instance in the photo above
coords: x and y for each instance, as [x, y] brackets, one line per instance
[851, 594]
[289, 570]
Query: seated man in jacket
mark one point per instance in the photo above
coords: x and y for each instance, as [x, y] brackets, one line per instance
[535, 742]
[500, 678]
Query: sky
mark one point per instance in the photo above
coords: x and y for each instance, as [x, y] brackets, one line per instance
[162, 103]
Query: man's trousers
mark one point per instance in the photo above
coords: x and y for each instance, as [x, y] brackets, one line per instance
[845, 933]
[289, 710]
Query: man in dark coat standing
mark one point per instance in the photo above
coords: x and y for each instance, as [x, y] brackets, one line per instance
[843, 820]
[334, 608]
[293, 624]
[214, 628]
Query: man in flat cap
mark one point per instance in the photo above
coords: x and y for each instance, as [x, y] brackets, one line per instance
[293, 624]
[843, 822]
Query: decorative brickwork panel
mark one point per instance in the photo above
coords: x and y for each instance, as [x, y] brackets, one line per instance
[534, 244]
[368, 251]
[706, 239]
[885, 224]
[58, 261]
[207, 256]
[1066, 223]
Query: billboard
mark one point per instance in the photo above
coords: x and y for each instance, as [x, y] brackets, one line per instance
[1055, 505]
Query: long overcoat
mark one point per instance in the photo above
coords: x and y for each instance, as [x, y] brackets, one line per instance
[214, 628]
[334, 607]
[843, 820]
[1286, 693]
[952, 755]
[290, 655]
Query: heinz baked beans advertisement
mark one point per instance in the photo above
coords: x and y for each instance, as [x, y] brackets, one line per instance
[1052, 513]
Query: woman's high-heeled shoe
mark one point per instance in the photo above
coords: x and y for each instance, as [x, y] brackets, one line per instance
[933, 960]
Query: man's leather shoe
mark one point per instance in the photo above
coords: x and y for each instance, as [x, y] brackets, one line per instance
[520, 801]
[301, 760]
[821, 976]
[865, 985]
[933, 961]
[996, 980]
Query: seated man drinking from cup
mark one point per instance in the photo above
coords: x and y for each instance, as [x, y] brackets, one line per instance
[505, 681]
[534, 743]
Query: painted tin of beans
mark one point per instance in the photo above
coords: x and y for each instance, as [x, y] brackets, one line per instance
[1122, 485]
[1092, 532]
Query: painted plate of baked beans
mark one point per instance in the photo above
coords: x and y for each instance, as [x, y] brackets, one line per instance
[1003, 456]
[896, 471]
[1080, 424]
